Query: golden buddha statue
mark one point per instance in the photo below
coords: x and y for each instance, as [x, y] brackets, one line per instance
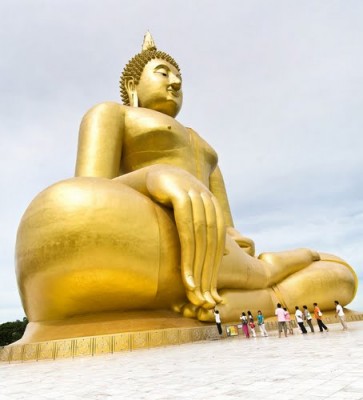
[146, 226]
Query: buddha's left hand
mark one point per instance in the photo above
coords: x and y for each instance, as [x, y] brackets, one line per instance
[245, 243]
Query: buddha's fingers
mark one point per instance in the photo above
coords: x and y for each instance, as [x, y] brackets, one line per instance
[195, 220]
[183, 212]
[211, 229]
[200, 237]
[221, 239]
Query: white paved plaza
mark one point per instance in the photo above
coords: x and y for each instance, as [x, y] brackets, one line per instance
[313, 366]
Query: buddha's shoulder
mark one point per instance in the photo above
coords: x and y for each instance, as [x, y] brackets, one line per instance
[106, 108]
[112, 108]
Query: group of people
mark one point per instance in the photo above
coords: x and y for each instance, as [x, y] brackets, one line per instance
[284, 318]
[248, 324]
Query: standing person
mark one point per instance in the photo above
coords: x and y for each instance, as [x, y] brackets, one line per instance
[318, 314]
[218, 321]
[300, 319]
[340, 313]
[261, 323]
[251, 323]
[308, 318]
[288, 321]
[244, 320]
[281, 320]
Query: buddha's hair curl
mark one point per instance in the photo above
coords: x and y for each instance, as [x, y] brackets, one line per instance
[136, 65]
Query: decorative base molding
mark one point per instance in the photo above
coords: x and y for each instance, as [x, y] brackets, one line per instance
[105, 344]
[129, 341]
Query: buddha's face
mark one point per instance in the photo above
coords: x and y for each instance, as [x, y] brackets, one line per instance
[159, 88]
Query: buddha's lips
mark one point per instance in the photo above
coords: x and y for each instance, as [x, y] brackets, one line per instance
[174, 92]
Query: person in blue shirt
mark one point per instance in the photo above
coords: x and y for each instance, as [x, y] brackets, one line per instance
[261, 323]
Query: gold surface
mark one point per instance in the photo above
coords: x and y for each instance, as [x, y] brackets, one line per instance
[145, 227]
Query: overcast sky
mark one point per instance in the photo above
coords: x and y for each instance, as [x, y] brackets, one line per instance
[276, 87]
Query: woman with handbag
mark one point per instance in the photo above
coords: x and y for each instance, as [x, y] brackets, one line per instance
[251, 323]
[244, 321]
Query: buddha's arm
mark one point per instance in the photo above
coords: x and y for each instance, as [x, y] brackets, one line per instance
[217, 187]
[199, 220]
[100, 141]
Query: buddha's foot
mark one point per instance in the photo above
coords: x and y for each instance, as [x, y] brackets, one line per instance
[280, 265]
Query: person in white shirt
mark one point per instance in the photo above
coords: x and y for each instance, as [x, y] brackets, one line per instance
[340, 314]
[308, 318]
[300, 320]
[218, 321]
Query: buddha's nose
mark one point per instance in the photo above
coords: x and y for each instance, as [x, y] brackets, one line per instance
[175, 83]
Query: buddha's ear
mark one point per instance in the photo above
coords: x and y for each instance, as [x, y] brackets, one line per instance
[131, 91]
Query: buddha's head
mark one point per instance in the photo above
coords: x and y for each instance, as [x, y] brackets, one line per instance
[152, 80]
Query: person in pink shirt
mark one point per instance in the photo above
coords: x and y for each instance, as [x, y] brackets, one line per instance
[281, 319]
[288, 321]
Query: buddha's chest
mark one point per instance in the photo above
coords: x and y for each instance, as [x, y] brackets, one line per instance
[152, 137]
[148, 130]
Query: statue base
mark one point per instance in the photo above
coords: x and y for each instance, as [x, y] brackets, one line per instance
[105, 324]
[106, 333]
[116, 332]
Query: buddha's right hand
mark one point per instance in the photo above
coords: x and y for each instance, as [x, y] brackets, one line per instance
[200, 224]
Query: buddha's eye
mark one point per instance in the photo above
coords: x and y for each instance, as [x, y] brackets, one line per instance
[162, 71]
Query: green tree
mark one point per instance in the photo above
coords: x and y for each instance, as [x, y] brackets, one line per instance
[12, 331]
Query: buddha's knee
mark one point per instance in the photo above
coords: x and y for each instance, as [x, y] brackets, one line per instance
[93, 245]
[322, 282]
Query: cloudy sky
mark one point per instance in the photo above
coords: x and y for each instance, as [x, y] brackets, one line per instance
[276, 87]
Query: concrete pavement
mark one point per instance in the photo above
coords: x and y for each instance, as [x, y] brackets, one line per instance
[319, 366]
